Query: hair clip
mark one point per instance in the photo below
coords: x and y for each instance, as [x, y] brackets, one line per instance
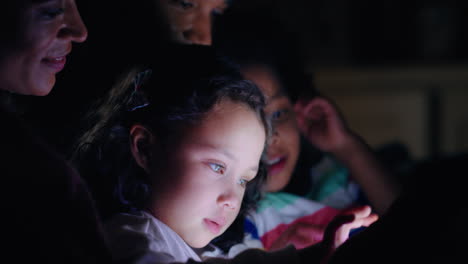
[137, 98]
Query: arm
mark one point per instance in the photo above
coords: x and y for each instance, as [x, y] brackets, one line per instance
[336, 233]
[322, 124]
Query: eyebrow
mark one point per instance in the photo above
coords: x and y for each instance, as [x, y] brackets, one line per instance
[227, 154]
[280, 93]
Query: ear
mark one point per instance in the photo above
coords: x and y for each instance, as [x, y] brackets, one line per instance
[141, 140]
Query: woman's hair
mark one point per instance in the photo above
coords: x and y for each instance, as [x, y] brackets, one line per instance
[10, 24]
[184, 86]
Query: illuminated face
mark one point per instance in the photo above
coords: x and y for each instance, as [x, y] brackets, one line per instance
[50, 27]
[199, 191]
[283, 148]
[191, 20]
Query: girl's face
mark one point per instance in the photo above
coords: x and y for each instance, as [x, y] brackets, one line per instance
[199, 190]
[48, 29]
[191, 20]
[283, 149]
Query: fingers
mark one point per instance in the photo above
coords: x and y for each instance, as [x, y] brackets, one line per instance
[369, 220]
[314, 109]
[338, 230]
[317, 101]
[312, 115]
[359, 211]
[360, 222]
[300, 235]
[363, 216]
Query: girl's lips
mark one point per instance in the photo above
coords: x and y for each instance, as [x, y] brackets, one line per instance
[56, 63]
[277, 166]
[212, 226]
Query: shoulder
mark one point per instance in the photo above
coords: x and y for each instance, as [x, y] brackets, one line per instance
[34, 173]
[141, 236]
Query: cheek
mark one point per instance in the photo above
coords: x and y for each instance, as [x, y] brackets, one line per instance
[289, 134]
[41, 37]
[180, 21]
[41, 79]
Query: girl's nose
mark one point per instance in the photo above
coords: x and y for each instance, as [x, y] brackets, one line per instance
[74, 28]
[274, 139]
[229, 199]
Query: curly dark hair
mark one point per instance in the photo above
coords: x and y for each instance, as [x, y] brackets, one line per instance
[185, 85]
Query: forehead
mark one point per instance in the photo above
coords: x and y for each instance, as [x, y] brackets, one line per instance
[229, 126]
[212, 2]
[266, 79]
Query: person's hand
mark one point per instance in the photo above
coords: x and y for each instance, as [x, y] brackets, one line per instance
[321, 123]
[300, 235]
[337, 231]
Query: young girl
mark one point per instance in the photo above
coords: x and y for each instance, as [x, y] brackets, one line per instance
[182, 162]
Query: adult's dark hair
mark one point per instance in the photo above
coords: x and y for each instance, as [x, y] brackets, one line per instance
[263, 40]
[10, 24]
[185, 84]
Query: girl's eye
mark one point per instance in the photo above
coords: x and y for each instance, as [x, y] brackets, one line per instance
[280, 115]
[184, 4]
[217, 168]
[51, 13]
[243, 182]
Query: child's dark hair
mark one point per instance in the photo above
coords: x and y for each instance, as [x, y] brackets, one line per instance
[184, 85]
[263, 40]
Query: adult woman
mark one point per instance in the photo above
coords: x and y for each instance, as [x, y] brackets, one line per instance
[35, 47]
[49, 214]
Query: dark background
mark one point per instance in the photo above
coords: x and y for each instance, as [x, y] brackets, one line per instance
[363, 32]
[327, 34]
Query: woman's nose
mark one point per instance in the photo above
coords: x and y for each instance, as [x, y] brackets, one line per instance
[200, 32]
[74, 27]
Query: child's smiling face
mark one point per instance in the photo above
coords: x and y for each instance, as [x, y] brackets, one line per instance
[283, 149]
[199, 191]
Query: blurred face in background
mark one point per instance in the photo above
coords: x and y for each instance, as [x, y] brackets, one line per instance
[45, 32]
[283, 148]
[191, 21]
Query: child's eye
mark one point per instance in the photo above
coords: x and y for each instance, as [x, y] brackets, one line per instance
[217, 168]
[51, 13]
[184, 4]
[280, 115]
[243, 182]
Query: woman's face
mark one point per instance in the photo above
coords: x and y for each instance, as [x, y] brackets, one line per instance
[191, 20]
[199, 189]
[48, 29]
[283, 148]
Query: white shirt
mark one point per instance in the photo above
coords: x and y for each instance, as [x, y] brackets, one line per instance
[140, 238]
